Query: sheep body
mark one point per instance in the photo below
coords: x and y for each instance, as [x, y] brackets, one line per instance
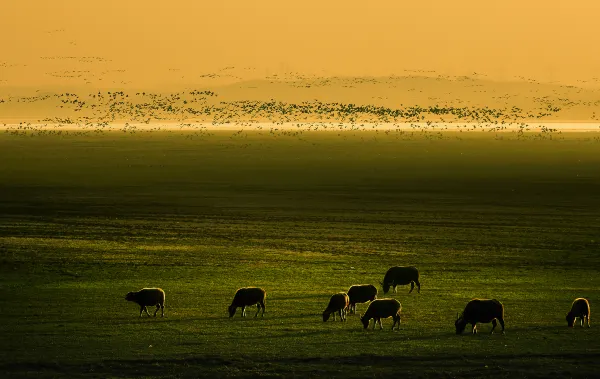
[382, 308]
[401, 275]
[580, 308]
[481, 310]
[361, 293]
[248, 296]
[148, 297]
[337, 303]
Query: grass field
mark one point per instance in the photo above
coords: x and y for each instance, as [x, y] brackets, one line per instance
[84, 220]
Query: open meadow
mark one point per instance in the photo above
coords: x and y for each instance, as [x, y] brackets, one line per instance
[86, 219]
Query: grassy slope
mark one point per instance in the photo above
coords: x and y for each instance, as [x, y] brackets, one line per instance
[85, 220]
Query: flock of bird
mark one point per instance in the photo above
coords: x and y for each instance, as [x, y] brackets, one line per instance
[193, 110]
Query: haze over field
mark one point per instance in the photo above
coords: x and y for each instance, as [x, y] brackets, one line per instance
[157, 43]
[534, 56]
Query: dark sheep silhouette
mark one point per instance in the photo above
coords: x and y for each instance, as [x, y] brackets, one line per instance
[148, 297]
[361, 293]
[382, 308]
[480, 310]
[246, 297]
[401, 275]
[581, 309]
[338, 303]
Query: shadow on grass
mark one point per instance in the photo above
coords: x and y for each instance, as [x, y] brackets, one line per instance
[280, 298]
[361, 365]
[275, 316]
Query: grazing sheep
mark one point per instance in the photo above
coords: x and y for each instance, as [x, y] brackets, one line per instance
[361, 293]
[148, 297]
[581, 309]
[338, 303]
[382, 308]
[246, 297]
[480, 310]
[401, 275]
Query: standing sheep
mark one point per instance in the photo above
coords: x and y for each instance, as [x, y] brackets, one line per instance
[382, 308]
[581, 309]
[246, 297]
[148, 297]
[480, 310]
[401, 275]
[361, 293]
[338, 303]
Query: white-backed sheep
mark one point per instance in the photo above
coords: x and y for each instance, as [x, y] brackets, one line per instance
[361, 293]
[401, 275]
[581, 309]
[338, 303]
[382, 308]
[480, 310]
[148, 297]
[248, 296]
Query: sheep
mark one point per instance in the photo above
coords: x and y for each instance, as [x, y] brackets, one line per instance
[581, 309]
[148, 297]
[401, 275]
[480, 310]
[248, 296]
[361, 293]
[338, 303]
[382, 308]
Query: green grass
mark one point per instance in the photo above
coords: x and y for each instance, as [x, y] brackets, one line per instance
[84, 220]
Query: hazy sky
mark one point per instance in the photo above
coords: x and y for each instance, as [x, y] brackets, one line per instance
[156, 42]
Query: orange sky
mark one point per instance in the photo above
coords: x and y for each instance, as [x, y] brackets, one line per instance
[177, 41]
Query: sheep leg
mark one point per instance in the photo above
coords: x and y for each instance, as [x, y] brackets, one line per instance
[418, 286]
[162, 307]
[243, 311]
[144, 309]
[588, 319]
[581, 320]
[257, 310]
[399, 321]
[374, 323]
[494, 323]
[474, 331]
[380, 324]
[263, 306]
[501, 321]
[157, 308]
[412, 287]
